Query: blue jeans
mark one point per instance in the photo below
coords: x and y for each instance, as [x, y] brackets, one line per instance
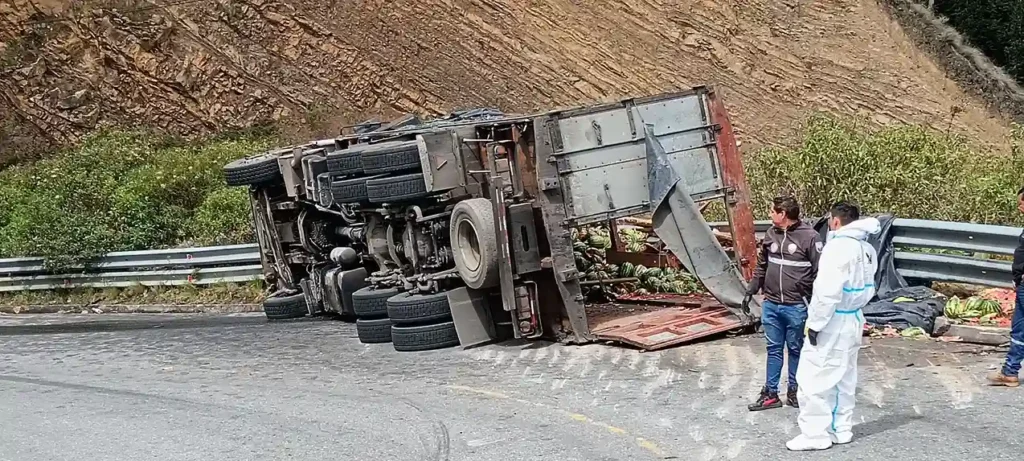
[1016, 353]
[783, 327]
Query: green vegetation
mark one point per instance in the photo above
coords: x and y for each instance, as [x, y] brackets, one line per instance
[910, 171]
[228, 293]
[996, 27]
[124, 191]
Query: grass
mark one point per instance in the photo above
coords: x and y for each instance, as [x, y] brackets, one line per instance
[252, 293]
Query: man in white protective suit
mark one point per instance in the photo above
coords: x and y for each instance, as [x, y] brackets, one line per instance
[827, 372]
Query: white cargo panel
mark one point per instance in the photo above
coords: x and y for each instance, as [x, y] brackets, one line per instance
[601, 158]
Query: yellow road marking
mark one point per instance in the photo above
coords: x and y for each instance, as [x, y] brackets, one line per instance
[648, 445]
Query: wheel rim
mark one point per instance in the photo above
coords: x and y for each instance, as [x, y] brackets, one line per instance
[469, 245]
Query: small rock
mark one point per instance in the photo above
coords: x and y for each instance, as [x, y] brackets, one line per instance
[74, 101]
[85, 311]
[97, 310]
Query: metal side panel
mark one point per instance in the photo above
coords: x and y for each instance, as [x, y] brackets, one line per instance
[668, 327]
[554, 205]
[738, 209]
[601, 158]
[472, 317]
[441, 155]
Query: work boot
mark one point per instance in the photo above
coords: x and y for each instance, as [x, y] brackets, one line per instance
[999, 379]
[766, 401]
[791, 399]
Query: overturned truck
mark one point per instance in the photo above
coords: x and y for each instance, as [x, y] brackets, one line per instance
[456, 230]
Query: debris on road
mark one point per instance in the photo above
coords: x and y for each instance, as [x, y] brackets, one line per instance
[914, 332]
[975, 334]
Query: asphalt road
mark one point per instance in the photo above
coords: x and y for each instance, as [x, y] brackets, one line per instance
[237, 388]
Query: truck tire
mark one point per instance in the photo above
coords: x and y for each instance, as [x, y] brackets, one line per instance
[285, 307]
[345, 162]
[391, 157]
[475, 243]
[372, 303]
[256, 170]
[410, 309]
[349, 190]
[374, 331]
[396, 188]
[424, 337]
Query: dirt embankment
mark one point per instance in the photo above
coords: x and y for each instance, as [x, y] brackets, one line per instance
[195, 67]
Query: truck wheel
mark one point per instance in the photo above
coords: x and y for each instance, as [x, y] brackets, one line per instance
[424, 337]
[371, 303]
[475, 243]
[345, 162]
[253, 171]
[396, 188]
[349, 190]
[410, 309]
[374, 331]
[285, 307]
[391, 157]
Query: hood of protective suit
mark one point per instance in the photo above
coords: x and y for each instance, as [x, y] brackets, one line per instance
[860, 229]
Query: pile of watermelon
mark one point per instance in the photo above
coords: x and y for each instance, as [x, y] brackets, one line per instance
[989, 308]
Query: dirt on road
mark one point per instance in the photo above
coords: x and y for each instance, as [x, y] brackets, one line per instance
[196, 67]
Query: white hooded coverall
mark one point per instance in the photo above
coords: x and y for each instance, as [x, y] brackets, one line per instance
[828, 371]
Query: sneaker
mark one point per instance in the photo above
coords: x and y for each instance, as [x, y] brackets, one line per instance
[999, 379]
[802, 443]
[766, 401]
[791, 399]
[841, 438]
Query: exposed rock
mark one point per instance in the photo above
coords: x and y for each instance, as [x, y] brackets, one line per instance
[74, 101]
[199, 67]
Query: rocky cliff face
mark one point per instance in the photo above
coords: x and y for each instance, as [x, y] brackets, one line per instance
[195, 67]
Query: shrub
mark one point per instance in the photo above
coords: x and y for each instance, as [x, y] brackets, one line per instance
[910, 171]
[223, 218]
[118, 191]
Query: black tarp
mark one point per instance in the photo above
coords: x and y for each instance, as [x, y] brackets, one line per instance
[889, 285]
[886, 279]
[927, 305]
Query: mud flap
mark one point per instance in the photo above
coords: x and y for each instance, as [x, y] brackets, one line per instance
[680, 225]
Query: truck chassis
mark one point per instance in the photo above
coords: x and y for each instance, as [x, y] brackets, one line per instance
[457, 230]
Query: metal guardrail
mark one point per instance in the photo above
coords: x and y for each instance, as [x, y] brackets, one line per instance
[919, 234]
[241, 263]
[172, 267]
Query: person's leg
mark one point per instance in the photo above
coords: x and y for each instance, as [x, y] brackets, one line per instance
[1011, 367]
[819, 373]
[796, 318]
[774, 336]
[842, 421]
[815, 419]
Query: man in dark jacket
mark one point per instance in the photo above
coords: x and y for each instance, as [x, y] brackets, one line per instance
[785, 275]
[1011, 367]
